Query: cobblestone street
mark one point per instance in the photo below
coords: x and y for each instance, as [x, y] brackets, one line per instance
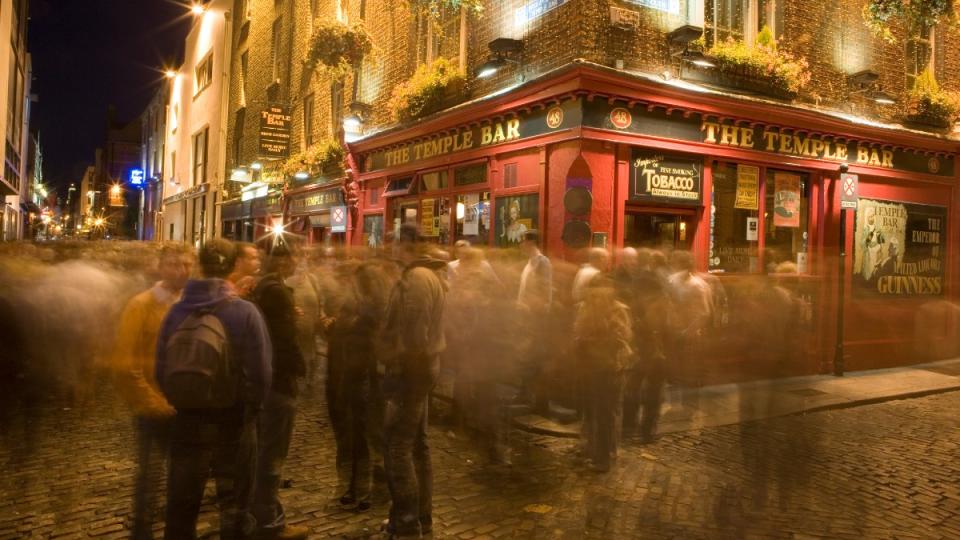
[879, 471]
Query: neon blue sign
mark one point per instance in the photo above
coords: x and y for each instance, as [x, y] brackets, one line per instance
[136, 177]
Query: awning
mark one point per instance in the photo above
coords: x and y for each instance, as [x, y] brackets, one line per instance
[399, 187]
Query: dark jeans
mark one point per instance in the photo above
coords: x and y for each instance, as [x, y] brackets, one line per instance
[603, 405]
[407, 455]
[337, 406]
[274, 432]
[153, 443]
[366, 421]
[644, 388]
[221, 440]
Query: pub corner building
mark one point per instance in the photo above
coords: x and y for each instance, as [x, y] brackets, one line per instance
[588, 155]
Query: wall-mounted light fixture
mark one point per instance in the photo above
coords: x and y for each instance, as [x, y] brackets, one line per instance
[867, 82]
[504, 51]
[680, 40]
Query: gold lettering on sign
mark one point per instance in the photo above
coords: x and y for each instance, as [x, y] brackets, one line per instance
[793, 144]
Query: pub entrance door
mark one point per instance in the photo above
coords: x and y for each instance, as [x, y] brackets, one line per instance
[662, 229]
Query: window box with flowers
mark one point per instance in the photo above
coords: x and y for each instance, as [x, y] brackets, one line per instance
[432, 88]
[324, 158]
[929, 106]
[337, 48]
[761, 68]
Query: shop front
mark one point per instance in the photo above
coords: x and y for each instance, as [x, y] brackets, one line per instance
[318, 215]
[592, 157]
[185, 216]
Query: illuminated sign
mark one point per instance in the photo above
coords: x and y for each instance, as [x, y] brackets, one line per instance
[275, 131]
[136, 177]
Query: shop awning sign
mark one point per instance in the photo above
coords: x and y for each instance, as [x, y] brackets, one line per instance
[338, 219]
[848, 190]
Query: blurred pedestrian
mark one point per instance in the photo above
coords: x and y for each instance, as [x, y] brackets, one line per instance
[413, 338]
[133, 367]
[690, 316]
[213, 366]
[602, 334]
[598, 261]
[276, 419]
[535, 301]
[246, 270]
[370, 288]
[308, 299]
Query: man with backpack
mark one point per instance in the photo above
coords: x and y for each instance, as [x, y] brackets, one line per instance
[275, 425]
[413, 340]
[214, 367]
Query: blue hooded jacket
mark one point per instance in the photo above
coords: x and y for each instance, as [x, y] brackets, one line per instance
[246, 333]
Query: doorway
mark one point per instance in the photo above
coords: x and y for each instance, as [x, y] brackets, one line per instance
[658, 230]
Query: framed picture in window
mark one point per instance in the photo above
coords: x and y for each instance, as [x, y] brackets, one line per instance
[514, 217]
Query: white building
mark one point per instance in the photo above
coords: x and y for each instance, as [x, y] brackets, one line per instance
[15, 100]
[194, 151]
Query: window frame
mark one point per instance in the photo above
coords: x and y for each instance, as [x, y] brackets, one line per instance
[813, 178]
[309, 113]
[201, 164]
[203, 75]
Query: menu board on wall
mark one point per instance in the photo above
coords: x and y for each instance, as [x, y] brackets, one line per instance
[426, 218]
[899, 249]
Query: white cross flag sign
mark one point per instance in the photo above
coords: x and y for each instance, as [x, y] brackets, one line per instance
[338, 219]
[848, 190]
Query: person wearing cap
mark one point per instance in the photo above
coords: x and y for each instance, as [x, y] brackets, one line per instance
[275, 424]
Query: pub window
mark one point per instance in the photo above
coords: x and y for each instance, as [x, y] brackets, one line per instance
[336, 107]
[510, 175]
[770, 15]
[398, 186]
[785, 221]
[514, 217]
[443, 36]
[724, 19]
[238, 135]
[275, 49]
[433, 181]
[244, 65]
[308, 120]
[919, 50]
[374, 197]
[471, 174]
[734, 233]
[200, 156]
[473, 218]
[204, 74]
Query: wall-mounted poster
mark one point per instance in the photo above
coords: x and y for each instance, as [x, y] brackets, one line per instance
[426, 218]
[516, 216]
[373, 231]
[748, 187]
[786, 200]
[899, 249]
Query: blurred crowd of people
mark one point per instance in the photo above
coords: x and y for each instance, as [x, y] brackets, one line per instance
[211, 348]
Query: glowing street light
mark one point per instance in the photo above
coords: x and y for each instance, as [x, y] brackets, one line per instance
[197, 9]
[169, 73]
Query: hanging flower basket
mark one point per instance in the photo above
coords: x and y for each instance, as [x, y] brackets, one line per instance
[929, 106]
[337, 47]
[322, 158]
[432, 88]
[433, 8]
[761, 68]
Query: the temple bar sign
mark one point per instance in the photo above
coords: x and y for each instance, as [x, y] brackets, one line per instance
[786, 142]
[275, 132]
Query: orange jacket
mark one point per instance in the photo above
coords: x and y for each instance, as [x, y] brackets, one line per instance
[135, 349]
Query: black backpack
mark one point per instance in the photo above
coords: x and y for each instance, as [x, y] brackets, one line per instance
[199, 371]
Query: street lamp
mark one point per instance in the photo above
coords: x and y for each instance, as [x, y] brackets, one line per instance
[502, 49]
[197, 9]
[169, 73]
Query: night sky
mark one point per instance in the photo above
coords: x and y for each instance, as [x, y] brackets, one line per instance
[88, 54]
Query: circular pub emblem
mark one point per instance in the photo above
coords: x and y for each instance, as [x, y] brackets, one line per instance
[554, 117]
[933, 164]
[620, 118]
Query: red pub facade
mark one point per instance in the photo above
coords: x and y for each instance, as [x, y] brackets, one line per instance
[591, 156]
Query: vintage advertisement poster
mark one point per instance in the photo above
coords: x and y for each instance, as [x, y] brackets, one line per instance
[786, 200]
[748, 187]
[516, 216]
[899, 249]
[470, 214]
[426, 218]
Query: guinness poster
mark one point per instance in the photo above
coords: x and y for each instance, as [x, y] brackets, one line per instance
[656, 177]
[899, 249]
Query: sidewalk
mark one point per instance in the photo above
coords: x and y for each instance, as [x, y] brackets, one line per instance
[728, 404]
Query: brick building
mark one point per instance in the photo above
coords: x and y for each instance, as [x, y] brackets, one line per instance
[603, 123]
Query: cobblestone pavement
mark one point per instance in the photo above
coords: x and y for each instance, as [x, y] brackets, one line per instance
[880, 471]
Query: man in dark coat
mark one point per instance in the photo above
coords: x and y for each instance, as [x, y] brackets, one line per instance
[275, 425]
